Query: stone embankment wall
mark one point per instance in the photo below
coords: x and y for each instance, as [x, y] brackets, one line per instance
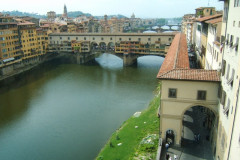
[24, 65]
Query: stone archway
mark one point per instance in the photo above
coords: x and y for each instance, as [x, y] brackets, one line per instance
[102, 46]
[170, 137]
[198, 130]
[111, 46]
[94, 46]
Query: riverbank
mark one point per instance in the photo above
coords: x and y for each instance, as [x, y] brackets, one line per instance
[137, 138]
[15, 69]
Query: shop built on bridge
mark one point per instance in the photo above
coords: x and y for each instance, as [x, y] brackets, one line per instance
[128, 46]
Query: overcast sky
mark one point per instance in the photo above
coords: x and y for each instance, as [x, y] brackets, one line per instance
[141, 8]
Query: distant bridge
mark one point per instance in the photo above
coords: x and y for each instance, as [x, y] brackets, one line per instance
[170, 27]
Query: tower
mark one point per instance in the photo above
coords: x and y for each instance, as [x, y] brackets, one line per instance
[105, 19]
[133, 16]
[65, 11]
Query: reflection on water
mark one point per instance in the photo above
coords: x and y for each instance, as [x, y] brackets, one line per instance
[68, 111]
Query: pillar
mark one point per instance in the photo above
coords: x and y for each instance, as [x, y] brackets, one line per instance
[129, 59]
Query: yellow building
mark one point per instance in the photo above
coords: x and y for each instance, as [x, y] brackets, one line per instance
[205, 11]
[139, 48]
[72, 28]
[42, 39]
[81, 46]
[9, 43]
[28, 39]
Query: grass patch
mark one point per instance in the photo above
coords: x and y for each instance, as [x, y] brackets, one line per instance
[132, 135]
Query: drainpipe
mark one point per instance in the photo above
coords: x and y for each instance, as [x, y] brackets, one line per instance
[230, 145]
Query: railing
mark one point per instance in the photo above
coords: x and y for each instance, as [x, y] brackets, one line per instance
[159, 151]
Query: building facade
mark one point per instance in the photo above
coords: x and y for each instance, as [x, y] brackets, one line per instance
[228, 143]
[10, 51]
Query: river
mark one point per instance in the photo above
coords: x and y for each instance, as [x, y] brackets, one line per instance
[66, 111]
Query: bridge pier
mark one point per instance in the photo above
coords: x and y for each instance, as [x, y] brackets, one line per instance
[129, 59]
[84, 57]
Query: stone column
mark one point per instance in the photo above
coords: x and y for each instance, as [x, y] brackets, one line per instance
[129, 59]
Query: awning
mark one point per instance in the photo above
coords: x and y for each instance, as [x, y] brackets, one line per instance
[9, 59]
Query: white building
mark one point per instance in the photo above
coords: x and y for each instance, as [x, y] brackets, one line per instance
[228, 143]
[213, 53]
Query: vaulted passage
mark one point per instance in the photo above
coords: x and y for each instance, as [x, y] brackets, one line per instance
[199, 132]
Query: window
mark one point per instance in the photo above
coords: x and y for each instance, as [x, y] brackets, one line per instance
[239, 140]
[159, 39]
[85, 38]
[226, 109]
[223, 97]
[93, 38]
[129, 39]
[228, 70]
[169, 39]
[219, 91]
[236, 3]
[102, 38]
[223, 67]
[172, 93]
[231, 79]
[201, 95]
[233, 23]
[111, 38]
[76, 38]
[3, 44]
[60, 37]
[4, 50]
[236, 44]
[199, 28]
[120, 39]
[139, 39]
[149, 39]
[68, 38]
[231, 40]
[227, 39]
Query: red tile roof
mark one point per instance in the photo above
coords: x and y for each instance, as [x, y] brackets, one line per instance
[191, 75]
[177, 56]
[7, 23]
[26, 23]
[203, 8]
[208, 17]
[45, 26]
[176, 64]
[215, 20]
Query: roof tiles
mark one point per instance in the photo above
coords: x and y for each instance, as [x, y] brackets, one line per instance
[191, 75]
[208, 17]
[177, 56]
[176, 64]
[215, 20]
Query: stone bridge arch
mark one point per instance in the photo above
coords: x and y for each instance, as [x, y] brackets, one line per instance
[94, 45]
[111, 45]
[103, 45]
